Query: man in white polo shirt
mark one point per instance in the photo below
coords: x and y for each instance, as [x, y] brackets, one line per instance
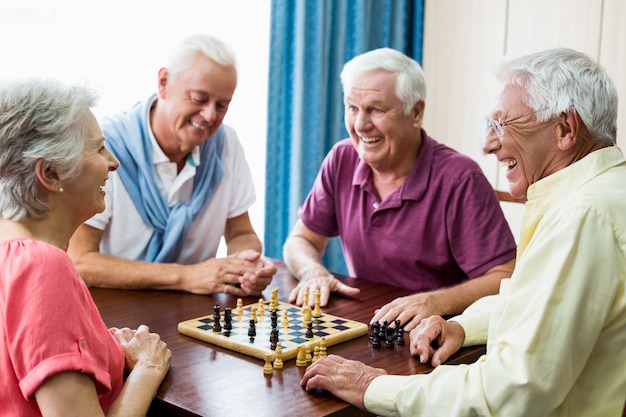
[183, 184]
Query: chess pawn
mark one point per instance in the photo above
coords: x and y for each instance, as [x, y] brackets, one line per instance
[382, 333]
[317, 312]
[301, 356]
[254, 315]
[308, 354]
[278, 357]
[239, 308]
[274, 300]
[316, 354]
[376, 344]
[374, 330]
[400, 339]
[252, 329]
[267, 368]
[285, 322]
[261, 307]
[322, 353]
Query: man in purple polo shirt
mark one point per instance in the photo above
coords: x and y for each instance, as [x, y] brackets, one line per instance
[410, 212]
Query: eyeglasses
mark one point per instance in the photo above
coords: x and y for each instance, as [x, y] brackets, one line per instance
[498, 126]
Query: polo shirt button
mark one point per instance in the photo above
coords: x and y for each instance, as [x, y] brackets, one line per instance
[375, 205]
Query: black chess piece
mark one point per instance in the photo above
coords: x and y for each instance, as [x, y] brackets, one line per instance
[389, 337]
[252, 328]
[374, 329]
[382, 334]
[273, 338]
[217, 327]
[376, 338]
[309, 330]
[228, 319]
[400, 338]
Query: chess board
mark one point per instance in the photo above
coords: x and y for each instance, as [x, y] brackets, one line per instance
[333, 329]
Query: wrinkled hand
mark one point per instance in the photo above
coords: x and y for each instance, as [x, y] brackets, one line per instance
[436, 339]
[344, 378]
[254, 284]
[410, 310]
[241, 274]
[322, 280]
[143, 348]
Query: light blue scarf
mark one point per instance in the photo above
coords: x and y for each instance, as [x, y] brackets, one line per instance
[128, 138]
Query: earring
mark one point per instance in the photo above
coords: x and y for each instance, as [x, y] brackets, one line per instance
[61, 189]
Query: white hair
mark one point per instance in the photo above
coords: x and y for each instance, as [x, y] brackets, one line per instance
[184, 53]
[561, 78]
[410, 80]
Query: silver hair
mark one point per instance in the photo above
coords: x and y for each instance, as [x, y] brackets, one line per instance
[410, 85]
[39, 119]
[213, 48]
[561, 78]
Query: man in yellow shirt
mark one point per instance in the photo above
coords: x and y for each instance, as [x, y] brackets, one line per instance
[556, 332]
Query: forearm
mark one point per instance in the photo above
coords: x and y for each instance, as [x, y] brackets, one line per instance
[301, 257]
[105, 271]
[453, 300]
[242, 242]
[138, 392]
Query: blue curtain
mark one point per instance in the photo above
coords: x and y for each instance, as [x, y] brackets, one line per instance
[310, 42]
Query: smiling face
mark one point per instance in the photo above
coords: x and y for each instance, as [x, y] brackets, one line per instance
[528, 148]
[384, 137]
[192, 104]
[84, 193]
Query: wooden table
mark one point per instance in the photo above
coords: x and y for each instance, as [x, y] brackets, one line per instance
[206, 380]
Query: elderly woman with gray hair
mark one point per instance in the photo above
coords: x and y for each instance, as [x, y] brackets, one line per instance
[56, 354]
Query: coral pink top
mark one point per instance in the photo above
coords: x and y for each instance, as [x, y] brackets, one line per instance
[49, 324]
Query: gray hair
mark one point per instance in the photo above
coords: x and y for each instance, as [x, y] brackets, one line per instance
[560, 78]
[410, 85]
[184, 53]
[39, 119]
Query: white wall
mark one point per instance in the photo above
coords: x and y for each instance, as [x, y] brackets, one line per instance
[118, 46]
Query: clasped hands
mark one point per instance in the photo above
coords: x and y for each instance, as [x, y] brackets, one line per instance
[142, 348]
[240, 274]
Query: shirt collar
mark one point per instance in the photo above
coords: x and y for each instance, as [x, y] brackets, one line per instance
[158, 156]
[556, 187]
[417, 178]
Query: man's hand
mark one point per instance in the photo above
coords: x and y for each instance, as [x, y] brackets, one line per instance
[345, 379]
[323, 281]
[410, 310]
[254, 284]
[436, 339]
[241, 274]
